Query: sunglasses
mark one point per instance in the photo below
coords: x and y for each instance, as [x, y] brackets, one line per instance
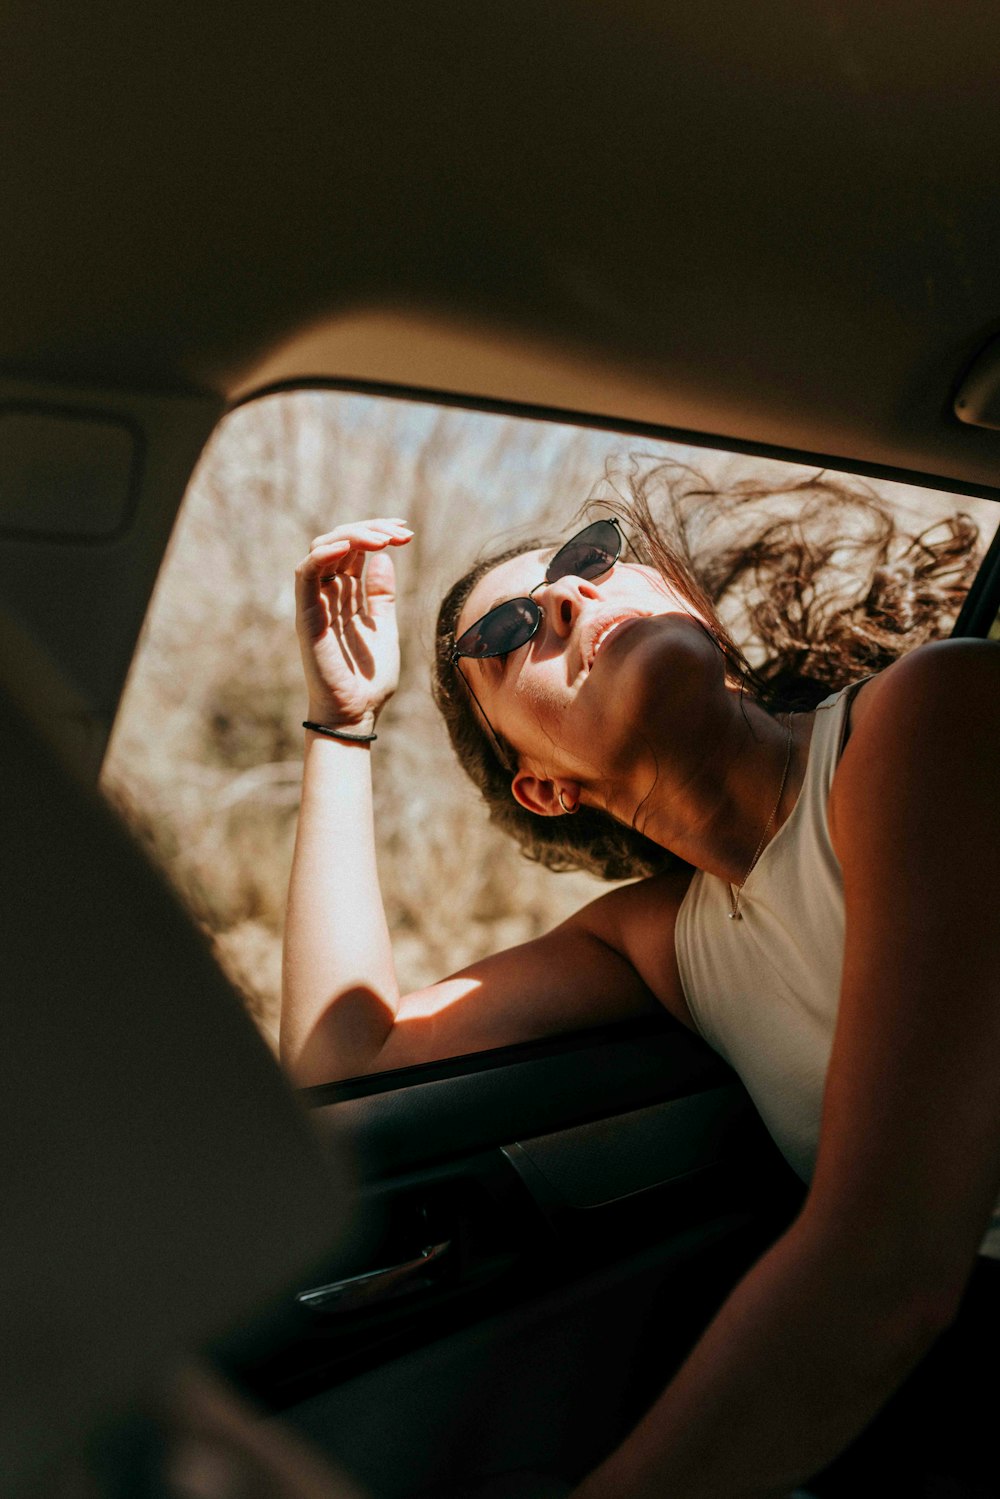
[589, 554]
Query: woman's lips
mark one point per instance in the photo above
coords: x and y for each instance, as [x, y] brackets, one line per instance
[609, 632]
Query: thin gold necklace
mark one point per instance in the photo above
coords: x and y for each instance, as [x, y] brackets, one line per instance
[734, 895]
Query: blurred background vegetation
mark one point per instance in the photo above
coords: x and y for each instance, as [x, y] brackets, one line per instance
[205, 758]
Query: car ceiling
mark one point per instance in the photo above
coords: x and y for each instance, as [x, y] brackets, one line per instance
[776, 222]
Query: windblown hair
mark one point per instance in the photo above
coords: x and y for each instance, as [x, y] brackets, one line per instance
[815, 577]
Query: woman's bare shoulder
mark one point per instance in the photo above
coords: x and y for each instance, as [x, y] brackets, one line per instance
[927, 678]
[638, 921]
[923, 718]
[655, 899]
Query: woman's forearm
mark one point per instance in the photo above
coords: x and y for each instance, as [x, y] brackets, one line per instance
[339, 989]
[796, 1362]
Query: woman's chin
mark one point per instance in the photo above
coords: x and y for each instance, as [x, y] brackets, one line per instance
[665, 668]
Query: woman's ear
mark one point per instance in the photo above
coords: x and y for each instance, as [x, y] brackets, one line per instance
[544, 797]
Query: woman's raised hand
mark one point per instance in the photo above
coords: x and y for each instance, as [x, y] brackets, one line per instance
[345, 600]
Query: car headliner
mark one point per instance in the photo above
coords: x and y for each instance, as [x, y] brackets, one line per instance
[776, 222]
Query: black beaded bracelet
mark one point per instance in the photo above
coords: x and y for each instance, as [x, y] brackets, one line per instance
[321, 728]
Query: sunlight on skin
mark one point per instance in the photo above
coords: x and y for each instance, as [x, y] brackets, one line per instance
[409, 1037]
[628, 584]
[426, 1003]
[624, 688]
[532, 688]
[412, 1035]
[492, 1004]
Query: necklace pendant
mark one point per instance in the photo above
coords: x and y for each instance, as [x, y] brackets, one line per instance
[734, 894]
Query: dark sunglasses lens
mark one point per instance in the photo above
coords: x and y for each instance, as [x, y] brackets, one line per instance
[503, 629]
[588, 554]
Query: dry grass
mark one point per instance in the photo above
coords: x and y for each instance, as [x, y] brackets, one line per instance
[205, 757]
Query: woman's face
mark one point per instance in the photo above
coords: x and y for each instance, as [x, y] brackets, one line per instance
[610, 670]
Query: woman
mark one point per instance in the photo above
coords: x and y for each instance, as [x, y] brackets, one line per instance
[818, 907]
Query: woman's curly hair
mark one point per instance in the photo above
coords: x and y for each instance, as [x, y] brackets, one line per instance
[815, 577]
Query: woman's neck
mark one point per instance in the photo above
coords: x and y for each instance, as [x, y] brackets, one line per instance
[711, 803]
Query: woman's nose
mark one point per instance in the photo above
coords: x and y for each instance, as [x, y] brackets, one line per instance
[563, 600]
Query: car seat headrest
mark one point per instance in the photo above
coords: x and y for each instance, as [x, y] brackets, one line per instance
[159, 1179]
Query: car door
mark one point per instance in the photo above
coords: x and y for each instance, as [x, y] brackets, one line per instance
[542, 1232]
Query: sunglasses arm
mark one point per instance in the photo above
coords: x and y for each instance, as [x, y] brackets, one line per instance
[498, 748]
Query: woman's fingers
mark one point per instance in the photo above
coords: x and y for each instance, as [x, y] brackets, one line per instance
[352, 562]
[343, 551]
[380, 581]
[339, 559]
[378, 526]
[367, 536]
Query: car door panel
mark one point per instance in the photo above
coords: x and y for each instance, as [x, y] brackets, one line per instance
[551, 1225]
[415, 1115]
[549, 1384]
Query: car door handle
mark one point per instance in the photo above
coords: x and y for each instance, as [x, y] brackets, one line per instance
[375, 1285]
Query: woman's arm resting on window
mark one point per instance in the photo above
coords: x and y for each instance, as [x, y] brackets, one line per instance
[825, 1327]
[343, 1013]
[572, 977]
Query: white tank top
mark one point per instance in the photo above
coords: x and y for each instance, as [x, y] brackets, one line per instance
[764, 991]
